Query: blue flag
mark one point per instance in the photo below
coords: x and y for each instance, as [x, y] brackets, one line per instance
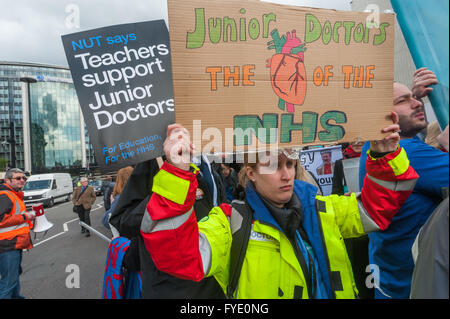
[425, 27]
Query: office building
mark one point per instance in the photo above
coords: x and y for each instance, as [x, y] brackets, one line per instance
[41, 124]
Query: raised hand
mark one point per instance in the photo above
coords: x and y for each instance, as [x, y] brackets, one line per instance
[177, 147]
[390, 142]
[423, 78]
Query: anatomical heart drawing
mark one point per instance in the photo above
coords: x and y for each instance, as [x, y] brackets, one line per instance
[287, 69]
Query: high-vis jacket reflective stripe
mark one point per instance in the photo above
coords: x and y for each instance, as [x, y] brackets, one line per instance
[391, 180]
[339, 218]
[186, 249]
[18, 207]
[271, 268]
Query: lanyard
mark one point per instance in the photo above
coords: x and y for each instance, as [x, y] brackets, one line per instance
[311, 266]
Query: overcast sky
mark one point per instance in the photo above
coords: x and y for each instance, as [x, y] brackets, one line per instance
[30, 30]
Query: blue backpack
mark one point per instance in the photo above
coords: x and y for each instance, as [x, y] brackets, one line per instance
[115, 284]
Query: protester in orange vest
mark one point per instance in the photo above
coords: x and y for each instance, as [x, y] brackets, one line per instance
[15, 224]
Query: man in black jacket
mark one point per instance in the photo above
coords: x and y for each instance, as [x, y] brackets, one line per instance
[107, 186]
[127, 216]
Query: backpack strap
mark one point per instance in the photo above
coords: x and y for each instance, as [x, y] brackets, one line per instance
[81, 194]
[241, 224]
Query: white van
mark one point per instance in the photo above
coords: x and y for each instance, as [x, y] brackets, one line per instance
[47, 188]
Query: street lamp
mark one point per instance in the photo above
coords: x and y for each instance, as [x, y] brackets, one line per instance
[26, 80]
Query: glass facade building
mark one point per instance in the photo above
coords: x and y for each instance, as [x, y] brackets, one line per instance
[44, 132]
[54, 126]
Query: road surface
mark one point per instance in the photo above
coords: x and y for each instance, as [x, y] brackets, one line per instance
[66, 264]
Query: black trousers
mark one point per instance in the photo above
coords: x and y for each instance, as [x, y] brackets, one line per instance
[85, 217]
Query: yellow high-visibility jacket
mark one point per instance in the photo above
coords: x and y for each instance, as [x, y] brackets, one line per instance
[271, 268]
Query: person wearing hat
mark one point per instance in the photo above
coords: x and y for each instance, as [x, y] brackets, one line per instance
[83, 198]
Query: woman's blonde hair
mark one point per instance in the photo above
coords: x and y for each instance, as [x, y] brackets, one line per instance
[249, 161]
[242, 176]
[121, 180]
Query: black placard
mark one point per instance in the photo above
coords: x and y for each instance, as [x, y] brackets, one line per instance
[123, 78]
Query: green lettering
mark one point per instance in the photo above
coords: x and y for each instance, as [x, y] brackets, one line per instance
[366, 34]
[229, 24]
[196, 39]
[243, 28]
[245, 125]
[266, 20]
[348, 25]
[381, 37]
[215, 29]
[308, 127]
[313, 29]
[336, 27]
[332, 133]
[358, 33]
[326, 37]
[253, 28]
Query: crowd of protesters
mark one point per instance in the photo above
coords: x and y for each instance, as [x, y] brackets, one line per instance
[186, 222]
[200, 229]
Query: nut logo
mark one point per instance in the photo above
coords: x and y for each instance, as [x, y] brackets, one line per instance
[287, 70]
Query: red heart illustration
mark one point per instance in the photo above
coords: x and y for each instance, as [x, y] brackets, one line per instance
[288, 77]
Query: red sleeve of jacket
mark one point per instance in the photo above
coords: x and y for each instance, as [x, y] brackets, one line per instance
[388, 183]
[170, 231]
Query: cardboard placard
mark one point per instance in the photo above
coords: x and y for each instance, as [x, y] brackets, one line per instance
[313, 76]
[123, 78]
